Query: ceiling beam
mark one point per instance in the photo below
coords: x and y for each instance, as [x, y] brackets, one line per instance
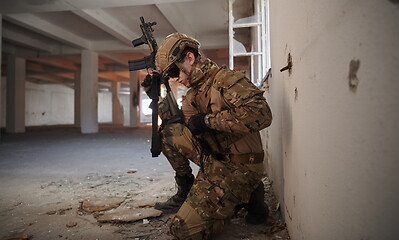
[114, 58]
[100, 46]
[113, 76]
[35, 6]
[48, 29]
[25, 40]
[173, 13]
[109, 24]
[56, 62]
[47, 77]
[70, 76]
[19, 51]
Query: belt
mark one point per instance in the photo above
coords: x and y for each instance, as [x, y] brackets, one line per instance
[247, 158]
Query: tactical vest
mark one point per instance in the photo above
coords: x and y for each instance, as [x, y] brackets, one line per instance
[207, 98]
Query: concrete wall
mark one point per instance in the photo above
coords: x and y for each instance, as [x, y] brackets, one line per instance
[48, 104]
[52, 104]
[45, 104]
[3, 102]
[125, 101]
[333, 145]
[105, 107]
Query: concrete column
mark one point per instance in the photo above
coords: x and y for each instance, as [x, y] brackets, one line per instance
[134, 98]
[16, 73]
[77, 87]
[1, 37]
[89, 92]
[117, 109]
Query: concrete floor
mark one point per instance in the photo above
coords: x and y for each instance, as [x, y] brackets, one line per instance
[46, 173]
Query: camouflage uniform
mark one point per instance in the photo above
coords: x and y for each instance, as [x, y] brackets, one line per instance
[237, 111]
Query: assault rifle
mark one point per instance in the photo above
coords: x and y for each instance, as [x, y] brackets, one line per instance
[152, 83]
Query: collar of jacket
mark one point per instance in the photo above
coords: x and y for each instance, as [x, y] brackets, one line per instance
[200, 71]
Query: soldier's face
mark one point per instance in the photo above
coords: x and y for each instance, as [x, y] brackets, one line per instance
[178, 75]
[186, 65]
[182, 79]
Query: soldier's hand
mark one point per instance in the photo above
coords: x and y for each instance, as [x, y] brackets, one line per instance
[196, 123]
[146, 84]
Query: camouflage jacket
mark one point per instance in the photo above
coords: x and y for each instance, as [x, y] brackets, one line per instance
[236, 107]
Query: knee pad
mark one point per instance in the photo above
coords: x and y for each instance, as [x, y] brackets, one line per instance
[178, 228]
[188, 225]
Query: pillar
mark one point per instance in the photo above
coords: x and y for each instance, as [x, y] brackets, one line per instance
[77, 87]
[117, 109]
[16, 73]
[1, 37]
[89, 92]
[134, 98]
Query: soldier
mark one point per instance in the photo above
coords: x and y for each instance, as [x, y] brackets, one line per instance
[224, 113]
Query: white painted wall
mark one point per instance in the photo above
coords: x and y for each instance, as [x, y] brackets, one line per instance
[48, 104]
[53, 104]
[333, 152]
[125, 101]
[105, 107]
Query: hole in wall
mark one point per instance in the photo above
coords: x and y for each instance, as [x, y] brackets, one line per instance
[353, 80]
[289, 65]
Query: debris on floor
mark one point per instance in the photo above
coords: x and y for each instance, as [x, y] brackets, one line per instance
[19, 236]
[125, 215]
[59, 211]
[71, 224]
[103, 199]
[98, 205]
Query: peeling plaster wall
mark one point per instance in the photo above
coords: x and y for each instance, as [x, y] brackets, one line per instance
[333, 145]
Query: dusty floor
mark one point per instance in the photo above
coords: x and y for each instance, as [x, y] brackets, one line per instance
[46, 176]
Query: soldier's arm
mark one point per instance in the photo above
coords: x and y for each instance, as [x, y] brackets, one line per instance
[188, 109]
[249, 111]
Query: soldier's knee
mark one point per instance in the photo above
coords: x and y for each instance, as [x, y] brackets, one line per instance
[191, 227]
[178, 228]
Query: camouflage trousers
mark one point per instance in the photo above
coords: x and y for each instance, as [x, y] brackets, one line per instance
[218, 188]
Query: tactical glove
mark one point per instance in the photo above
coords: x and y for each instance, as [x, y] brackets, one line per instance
[196, 123]
[146, 84]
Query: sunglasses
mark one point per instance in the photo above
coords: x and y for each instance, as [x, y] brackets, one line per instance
[173, 71]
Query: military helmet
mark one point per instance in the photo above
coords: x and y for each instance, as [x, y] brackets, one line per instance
[171, 49]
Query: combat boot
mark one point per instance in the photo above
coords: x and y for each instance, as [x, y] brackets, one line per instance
[258, 210]
[172, 205]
